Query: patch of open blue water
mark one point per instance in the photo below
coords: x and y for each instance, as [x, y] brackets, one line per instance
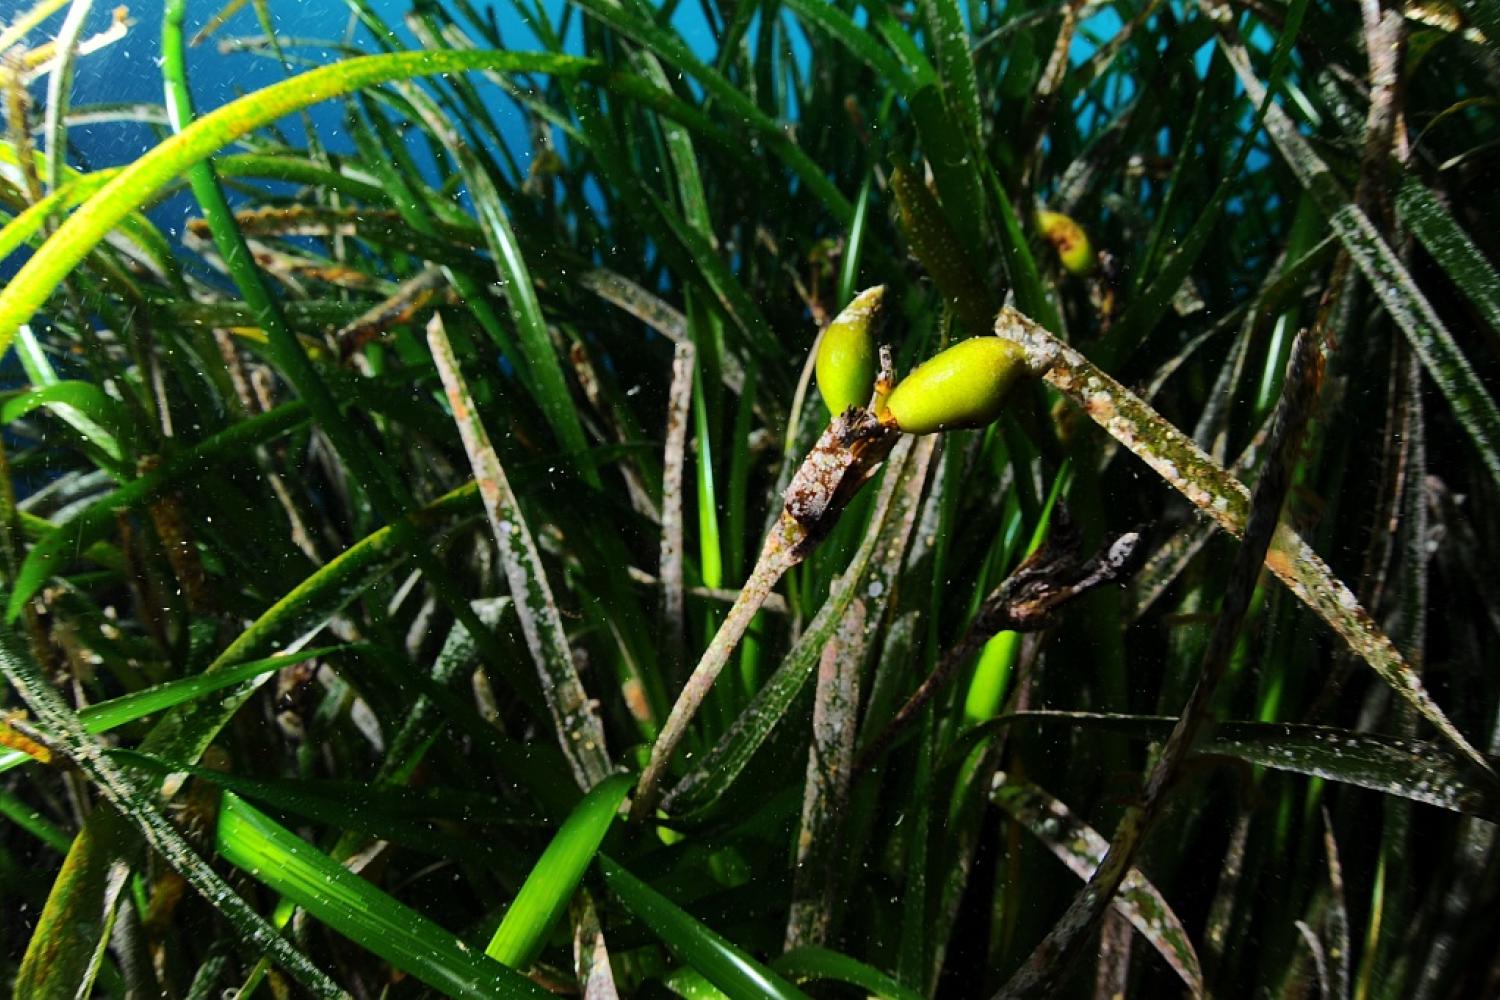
[313, 32]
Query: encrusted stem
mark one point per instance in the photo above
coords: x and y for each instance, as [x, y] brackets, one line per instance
[782, 551]
[846, 457]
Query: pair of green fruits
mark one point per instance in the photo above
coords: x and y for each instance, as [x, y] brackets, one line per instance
[963, 386]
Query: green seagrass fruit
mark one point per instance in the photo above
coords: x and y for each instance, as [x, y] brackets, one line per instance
[964, 386]
[848, 355]
[1069, 240]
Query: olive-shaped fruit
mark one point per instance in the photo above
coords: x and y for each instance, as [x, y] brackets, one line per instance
[848, 355]
[964, 386]
[1068, 238]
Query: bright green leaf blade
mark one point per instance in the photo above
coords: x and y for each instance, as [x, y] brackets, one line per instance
[545, 895]
[353, 907]
[721, 963]
[710, 547]
[815, 963]
[116, 712]
[33, 822]
[690, 984]
[82, 405]
[107, 715]
[149, 244]
[854, 246]
[26, 224]
[137, 183]
[33, 358]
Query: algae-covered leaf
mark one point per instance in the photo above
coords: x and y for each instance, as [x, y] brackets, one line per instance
[253, 842]
[1215, 491]
[1453, 373]
[1452, 248]
[579, 729]
[1409, 768]
[1081, 848]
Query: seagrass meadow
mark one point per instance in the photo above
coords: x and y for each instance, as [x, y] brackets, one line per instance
[750, 498]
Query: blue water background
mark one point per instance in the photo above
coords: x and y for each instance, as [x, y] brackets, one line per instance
[129, 71]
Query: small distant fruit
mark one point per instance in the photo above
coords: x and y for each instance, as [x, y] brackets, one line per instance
[964, 386]
[1069, 240]
[848, 355]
